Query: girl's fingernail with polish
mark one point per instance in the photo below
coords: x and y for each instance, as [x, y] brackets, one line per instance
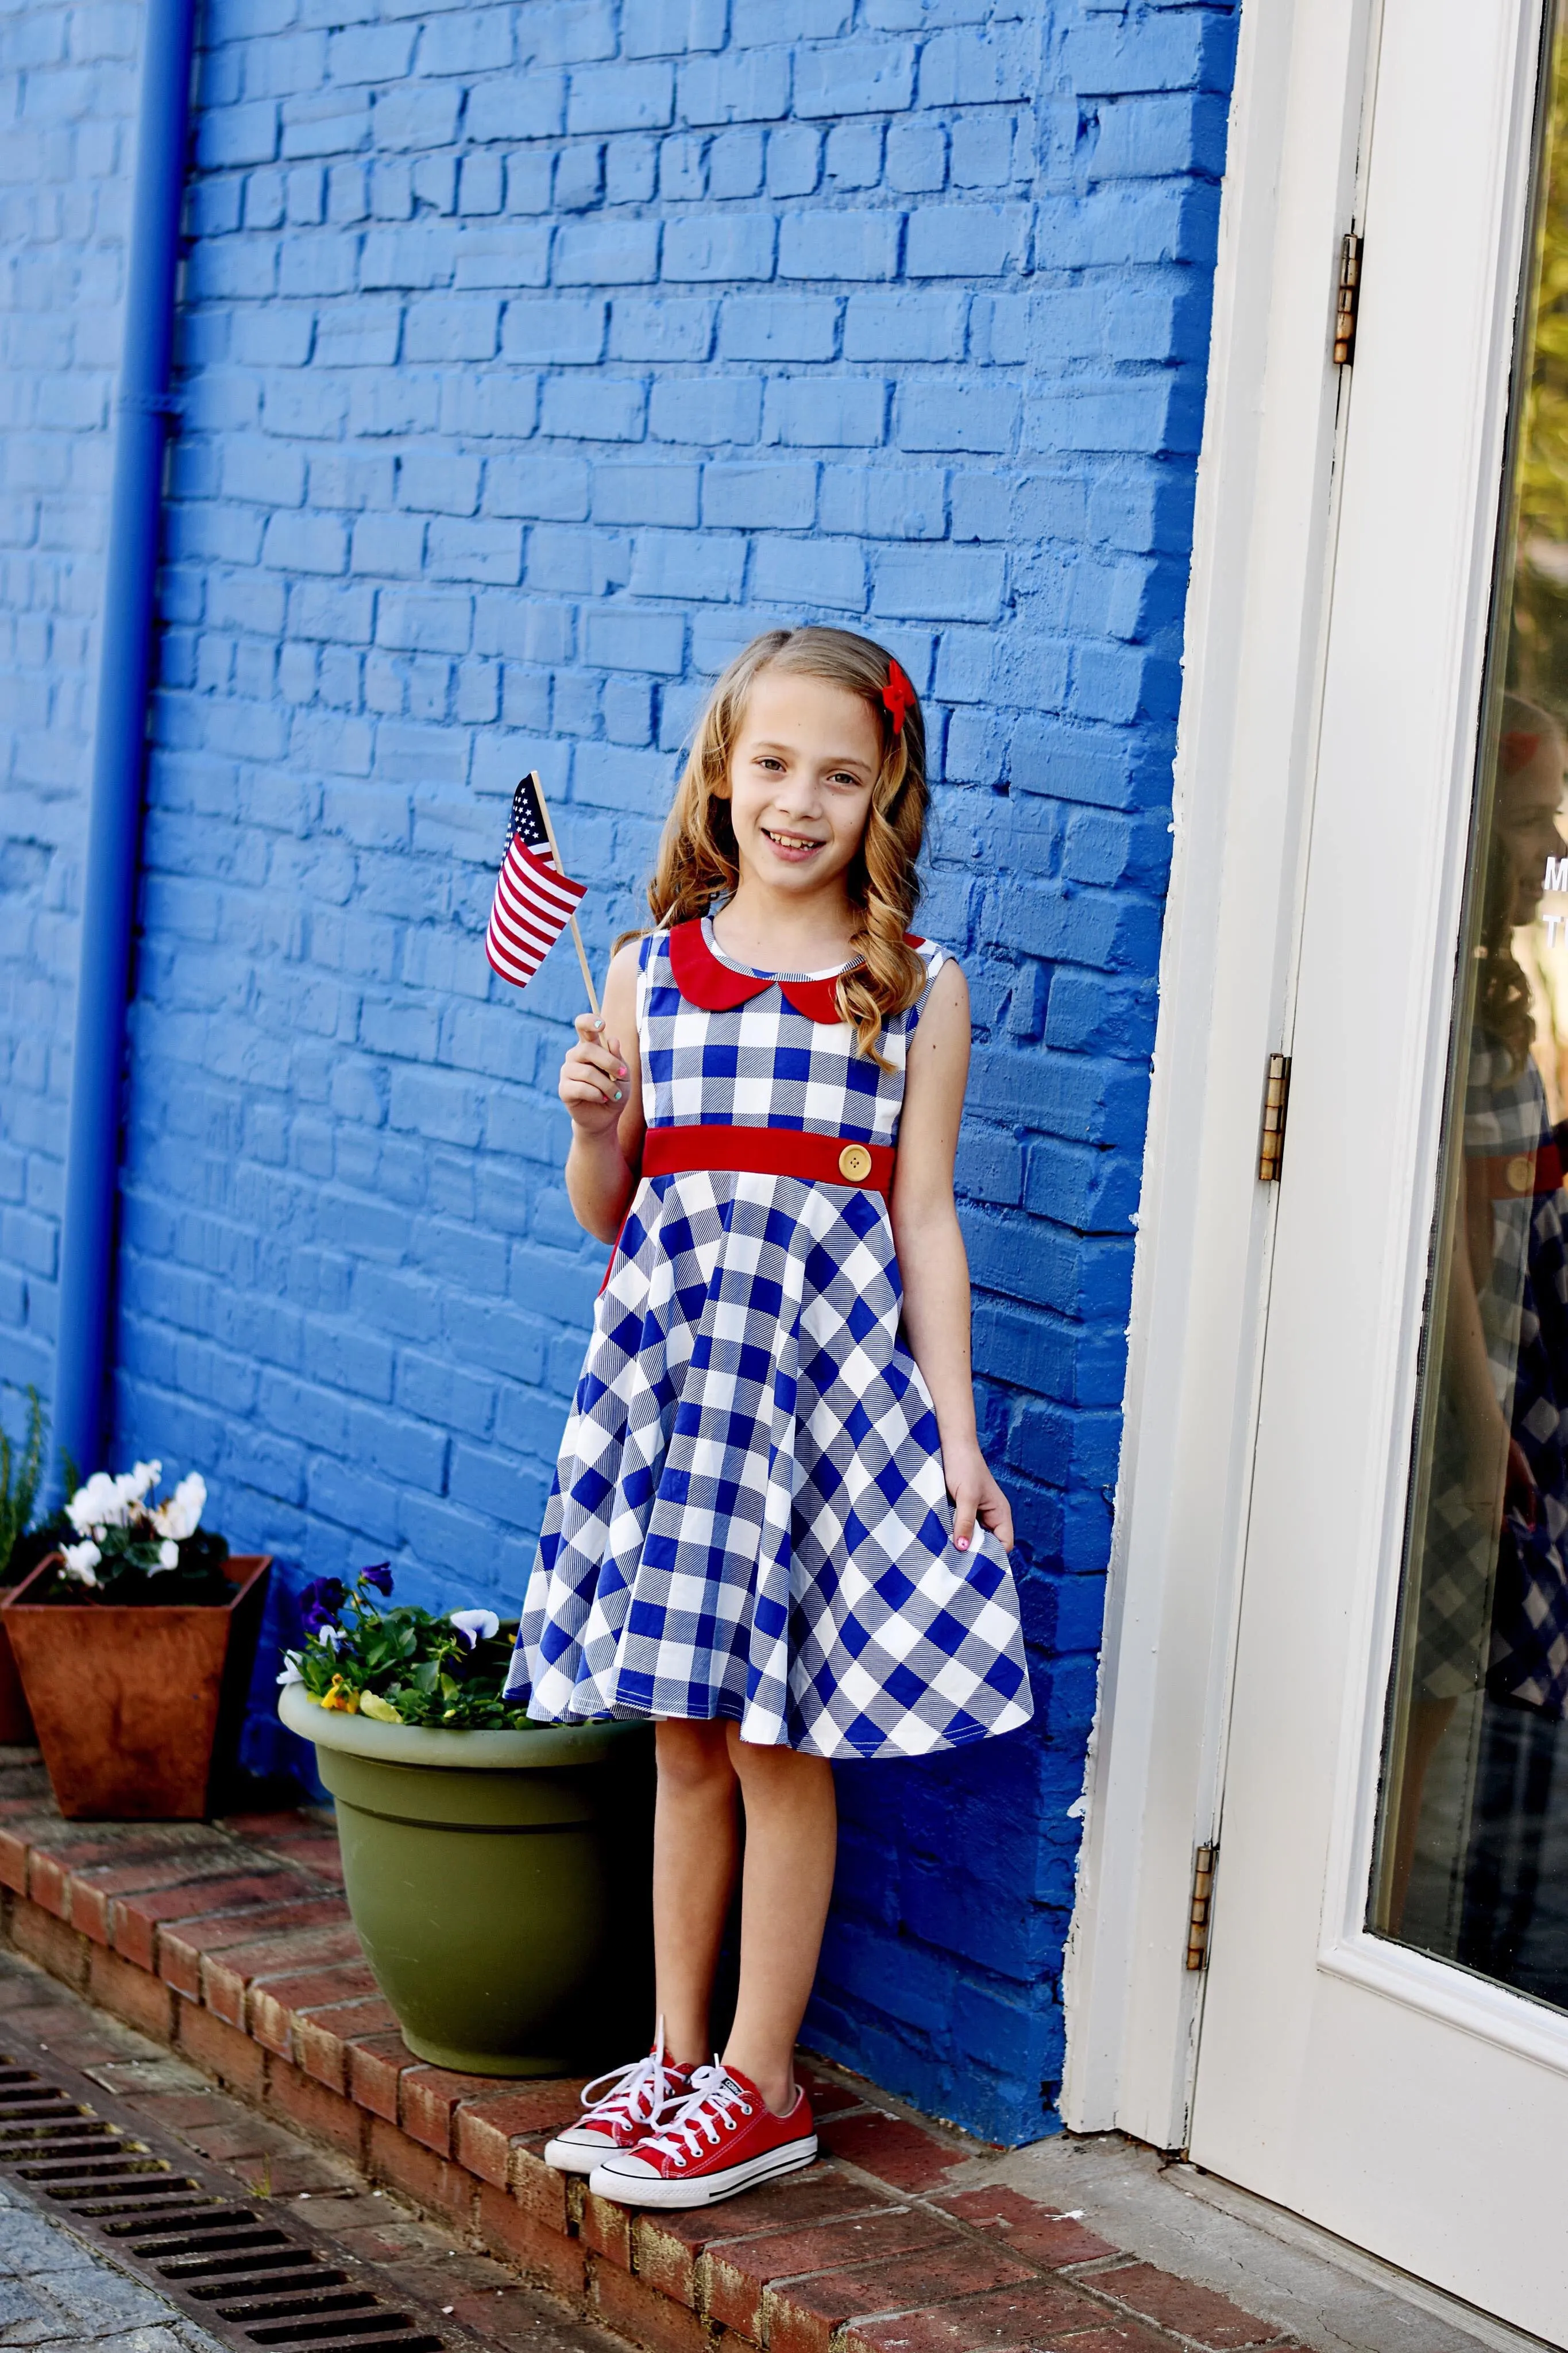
[617, 1094]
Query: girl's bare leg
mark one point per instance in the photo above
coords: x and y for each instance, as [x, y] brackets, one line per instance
[792, 1838]
[1429, 1720]
[694, 1848]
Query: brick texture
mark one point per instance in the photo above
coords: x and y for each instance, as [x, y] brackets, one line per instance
[1210, 2320]
[737, 2276]
[1026, 2229]
[531, 356]
[1036, 2315]
[891, 2148]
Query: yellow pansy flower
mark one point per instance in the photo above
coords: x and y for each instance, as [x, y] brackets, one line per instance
[337, 1696]
[380, 1710]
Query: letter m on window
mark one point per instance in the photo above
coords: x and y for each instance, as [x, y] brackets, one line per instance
[1556, 874]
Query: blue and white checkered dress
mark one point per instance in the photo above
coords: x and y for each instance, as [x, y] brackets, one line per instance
[748, 1519]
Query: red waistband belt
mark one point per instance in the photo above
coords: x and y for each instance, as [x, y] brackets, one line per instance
[1511, 1175]
[770, 1151]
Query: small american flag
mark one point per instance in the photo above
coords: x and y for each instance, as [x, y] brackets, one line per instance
[535, 902]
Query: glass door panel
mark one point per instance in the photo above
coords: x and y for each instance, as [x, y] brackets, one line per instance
[1472, 1856]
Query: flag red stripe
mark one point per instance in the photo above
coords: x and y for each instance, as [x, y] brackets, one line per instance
[544, 922]
[533, 902]
[516, 973]
[520, 943]
[525, 915]
[529, 903]
[524, 886]
[549, 879]
[524, 939]
[518, 950]
[516, 910]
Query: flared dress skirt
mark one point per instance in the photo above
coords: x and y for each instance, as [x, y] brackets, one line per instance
[1493, 1603]
[748, 1519]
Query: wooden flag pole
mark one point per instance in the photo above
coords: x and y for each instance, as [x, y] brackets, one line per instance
[577, 934]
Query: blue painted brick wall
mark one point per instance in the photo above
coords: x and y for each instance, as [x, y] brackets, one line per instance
[533, 356]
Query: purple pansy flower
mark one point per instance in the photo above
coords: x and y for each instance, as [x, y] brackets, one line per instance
[380, 1577]
[322, 1601]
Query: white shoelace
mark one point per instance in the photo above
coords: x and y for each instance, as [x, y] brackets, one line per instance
[710, 2107]
[643, 2089]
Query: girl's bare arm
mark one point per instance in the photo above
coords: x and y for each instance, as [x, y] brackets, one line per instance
[1493, 1459]
[601, 1086]
[931, 1257]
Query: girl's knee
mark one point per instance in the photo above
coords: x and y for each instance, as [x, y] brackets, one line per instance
[763, 1768]
[692, 1756]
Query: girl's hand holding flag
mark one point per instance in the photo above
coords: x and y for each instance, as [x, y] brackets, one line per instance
[595, 1081]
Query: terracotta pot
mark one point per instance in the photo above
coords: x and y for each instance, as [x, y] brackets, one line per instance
[16, 1718]
[138, 1710]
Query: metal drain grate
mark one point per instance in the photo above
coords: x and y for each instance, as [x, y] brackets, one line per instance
[247, 2272]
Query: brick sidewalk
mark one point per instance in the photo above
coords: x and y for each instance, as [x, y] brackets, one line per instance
[231, 1944]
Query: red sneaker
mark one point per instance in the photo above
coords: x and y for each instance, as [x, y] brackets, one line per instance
[622, 2106]
[722, 2138]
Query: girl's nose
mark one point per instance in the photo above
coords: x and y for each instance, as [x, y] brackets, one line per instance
[799, 797]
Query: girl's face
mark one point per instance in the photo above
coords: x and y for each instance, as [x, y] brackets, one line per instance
[800, 780]
[1528, 804]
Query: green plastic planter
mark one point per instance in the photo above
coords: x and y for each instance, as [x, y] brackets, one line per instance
[499, 1882]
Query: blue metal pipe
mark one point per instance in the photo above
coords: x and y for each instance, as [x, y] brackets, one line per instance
[114, 813]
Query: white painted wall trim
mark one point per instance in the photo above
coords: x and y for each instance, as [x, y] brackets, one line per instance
[1262, 551]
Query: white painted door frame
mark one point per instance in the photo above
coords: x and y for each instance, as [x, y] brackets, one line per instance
[1262, 551]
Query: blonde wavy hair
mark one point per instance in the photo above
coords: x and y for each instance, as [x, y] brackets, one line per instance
[698, 863]
[1507, 1006]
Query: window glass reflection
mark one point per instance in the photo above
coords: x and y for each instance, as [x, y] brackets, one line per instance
[1473, 1835]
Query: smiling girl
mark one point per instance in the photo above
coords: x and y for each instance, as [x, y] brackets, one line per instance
[772, 1530]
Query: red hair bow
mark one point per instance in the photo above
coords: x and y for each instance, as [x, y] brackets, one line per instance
[1518, 748]
[898, 696]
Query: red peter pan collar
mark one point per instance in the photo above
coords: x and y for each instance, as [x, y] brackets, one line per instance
[703, 980]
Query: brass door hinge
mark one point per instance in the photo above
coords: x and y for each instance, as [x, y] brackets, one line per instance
[1275, 1104]
[1347, 299]
[1204, 1861]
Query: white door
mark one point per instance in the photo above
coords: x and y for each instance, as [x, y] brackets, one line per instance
[1383, 2042]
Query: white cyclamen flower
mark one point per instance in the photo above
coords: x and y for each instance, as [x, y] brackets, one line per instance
[80, 1560]
[291, 1674]
[98, 1504]
[181, 1516]
[475, 1625]
[168, 1555]
[133, 1487]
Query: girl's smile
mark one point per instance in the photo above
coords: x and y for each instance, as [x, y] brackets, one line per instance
[793, 846]
[1527, 826]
